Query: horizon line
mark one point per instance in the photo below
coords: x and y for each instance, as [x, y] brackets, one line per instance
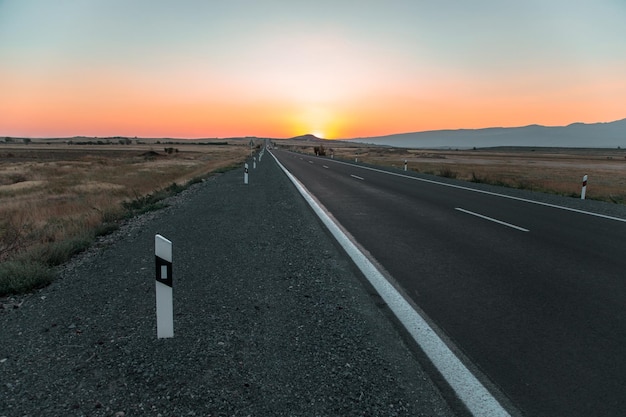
[297, 136]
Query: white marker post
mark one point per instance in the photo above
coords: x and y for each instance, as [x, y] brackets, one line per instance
[405, 162]
[254, 163]
[164, 302]
[245, 173]
[584, 191]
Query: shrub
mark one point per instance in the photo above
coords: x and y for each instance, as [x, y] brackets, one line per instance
[11, 238]
[447, 173]
[477, 179]
[23, 276]
[105, 229]
[56, 253]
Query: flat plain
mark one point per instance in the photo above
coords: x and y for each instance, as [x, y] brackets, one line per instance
[55, 197]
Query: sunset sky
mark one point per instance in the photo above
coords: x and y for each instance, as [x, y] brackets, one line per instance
[279, 68]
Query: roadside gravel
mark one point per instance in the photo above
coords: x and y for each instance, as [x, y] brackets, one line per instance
[270, 317]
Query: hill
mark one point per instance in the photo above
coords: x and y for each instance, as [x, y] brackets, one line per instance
[575, 135]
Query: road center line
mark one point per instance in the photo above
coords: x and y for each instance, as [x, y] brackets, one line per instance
[325, 166]
[468, 388]
[357, 177]
[492, 219]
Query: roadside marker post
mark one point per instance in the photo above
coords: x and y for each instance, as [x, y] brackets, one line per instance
[164, 302]
[584, 190]
[405, 162]
[254, 163]
[245, 173]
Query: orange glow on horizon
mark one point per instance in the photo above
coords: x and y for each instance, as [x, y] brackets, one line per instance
[117, 107]
[278, 71]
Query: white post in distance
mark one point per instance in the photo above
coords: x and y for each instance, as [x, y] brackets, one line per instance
[245, 173]
[405, 162]
[254, 163]
[584, 191]
[164, 302]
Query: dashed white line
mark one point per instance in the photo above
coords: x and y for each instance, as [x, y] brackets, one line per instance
[357, 177]
[325, 166]
[492, 219]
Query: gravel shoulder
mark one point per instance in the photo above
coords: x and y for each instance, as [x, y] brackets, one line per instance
[270, 318]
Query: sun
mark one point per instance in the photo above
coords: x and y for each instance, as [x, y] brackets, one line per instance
[318, 120]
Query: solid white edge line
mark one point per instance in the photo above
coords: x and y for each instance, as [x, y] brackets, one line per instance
[526, 200]
[470, 391]
[357, 177]
[492, 219]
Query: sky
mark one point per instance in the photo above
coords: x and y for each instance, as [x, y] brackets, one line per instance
[282, 68]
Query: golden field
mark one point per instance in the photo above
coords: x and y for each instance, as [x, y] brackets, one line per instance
[62, 196]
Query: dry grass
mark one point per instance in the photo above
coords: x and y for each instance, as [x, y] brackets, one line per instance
[55, 198]
[558, 171]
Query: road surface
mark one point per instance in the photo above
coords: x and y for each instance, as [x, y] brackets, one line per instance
[533, 296]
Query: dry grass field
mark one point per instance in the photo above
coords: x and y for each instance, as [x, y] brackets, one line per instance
[550, 170]
[54, 199]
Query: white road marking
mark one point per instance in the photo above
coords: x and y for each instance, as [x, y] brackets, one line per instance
[310, 162]
[325, 166]
[357, 177]
[492, 219]
[468, 388]
[526, 200]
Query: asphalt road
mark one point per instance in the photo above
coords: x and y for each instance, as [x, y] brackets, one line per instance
[533, 296]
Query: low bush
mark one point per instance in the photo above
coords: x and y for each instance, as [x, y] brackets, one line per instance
[447, 173]
[22, 276]
[57, 253]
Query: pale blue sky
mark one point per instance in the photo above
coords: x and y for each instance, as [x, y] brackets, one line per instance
[323, 57]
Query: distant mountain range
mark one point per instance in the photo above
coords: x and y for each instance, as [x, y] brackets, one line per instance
[576, 135]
